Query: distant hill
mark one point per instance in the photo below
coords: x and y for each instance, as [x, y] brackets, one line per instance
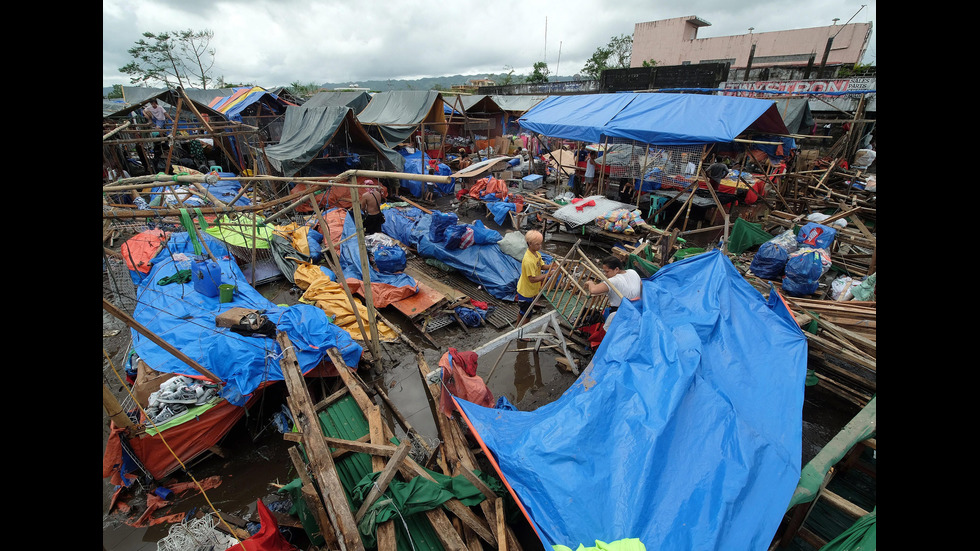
[431, 83]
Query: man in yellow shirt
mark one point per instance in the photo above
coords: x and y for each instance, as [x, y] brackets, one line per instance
[532, 265]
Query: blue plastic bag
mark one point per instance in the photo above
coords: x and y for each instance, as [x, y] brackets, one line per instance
[770, 261]
[803, 273]
[389, 259]
[440, 222]
[483, 235]
[314, 240]
[817, 236]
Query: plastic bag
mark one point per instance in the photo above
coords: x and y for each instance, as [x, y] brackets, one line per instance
[803, 273]
[483, 235]
[389, 259]
[840, 288]
[440, 222]
[459, 237]
[770, 261]
[817, 236]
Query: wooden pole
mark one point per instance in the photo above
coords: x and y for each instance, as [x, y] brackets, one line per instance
[366, 274]
[334, 260]
[132, 323]
[321, 459]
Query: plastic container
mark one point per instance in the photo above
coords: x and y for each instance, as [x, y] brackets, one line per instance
[206, 275]
[226, 292]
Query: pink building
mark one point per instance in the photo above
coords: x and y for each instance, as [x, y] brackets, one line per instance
[675, 42]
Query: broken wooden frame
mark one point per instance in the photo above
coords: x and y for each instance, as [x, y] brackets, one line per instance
[329, 503]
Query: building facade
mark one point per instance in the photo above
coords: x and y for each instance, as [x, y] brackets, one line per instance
[675, 42]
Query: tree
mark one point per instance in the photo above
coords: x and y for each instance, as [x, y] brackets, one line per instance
[195, 46]
[540, 73]
[649, 62]
[303, 90]
[615, 55]
[509, 79]
[184, 58]
[116, 92]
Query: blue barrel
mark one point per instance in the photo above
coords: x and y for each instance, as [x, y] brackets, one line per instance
[207, 276]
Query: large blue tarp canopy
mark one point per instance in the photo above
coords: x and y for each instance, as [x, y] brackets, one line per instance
[685, 432]
[185, 318]
[661, 119]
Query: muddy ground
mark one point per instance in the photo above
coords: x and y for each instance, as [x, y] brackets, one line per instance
[256, 456]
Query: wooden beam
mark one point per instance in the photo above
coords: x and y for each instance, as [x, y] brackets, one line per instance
[321, 460]
[381, 484]
[132, 323]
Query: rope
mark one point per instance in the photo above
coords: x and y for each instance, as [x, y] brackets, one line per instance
[164, 441]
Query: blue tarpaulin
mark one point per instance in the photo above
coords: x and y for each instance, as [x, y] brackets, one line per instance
[685, 432]
[662, 119]
[486, 264]
[350, 260]
[185, 318]
[418, 163]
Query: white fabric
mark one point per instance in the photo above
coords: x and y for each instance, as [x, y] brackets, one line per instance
[628, 283]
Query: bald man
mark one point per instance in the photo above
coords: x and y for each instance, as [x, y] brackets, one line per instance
[532, 265]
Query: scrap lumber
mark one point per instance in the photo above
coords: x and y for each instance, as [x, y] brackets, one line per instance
[321, 460]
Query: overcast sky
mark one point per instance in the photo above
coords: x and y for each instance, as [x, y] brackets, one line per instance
[277, 42]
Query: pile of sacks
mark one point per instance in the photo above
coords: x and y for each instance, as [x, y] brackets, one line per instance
[176, 396]
[800, 259]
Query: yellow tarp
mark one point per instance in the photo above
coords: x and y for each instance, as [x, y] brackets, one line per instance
[329, 296]
[297, 236]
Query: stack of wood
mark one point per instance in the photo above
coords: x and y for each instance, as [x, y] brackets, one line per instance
[843, 352]
[457, 526]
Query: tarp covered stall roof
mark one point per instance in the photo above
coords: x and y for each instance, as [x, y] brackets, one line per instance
[167, 98]
[235, 104]
[308, 129]
[796, 114]
[661, 119]
[517, 104]
[685, 432]
[139, 94]
[355, 100]
[392, 116]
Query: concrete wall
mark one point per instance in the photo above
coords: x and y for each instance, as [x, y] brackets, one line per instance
[675, 42]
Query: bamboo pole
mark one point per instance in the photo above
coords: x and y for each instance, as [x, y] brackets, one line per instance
[142, 330]
[366, 274]
[334, 260]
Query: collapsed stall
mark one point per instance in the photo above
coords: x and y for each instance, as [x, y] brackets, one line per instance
[685, 432]
[189, 295]
[415, 120]
[327, 140]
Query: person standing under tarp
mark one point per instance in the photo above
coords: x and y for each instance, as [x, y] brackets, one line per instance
[532, 265]
[371, 200]
[626, 282]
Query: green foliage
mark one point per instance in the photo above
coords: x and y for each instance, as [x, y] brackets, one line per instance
[857, 70]
[649, 62]
[116, 92]
[509, 79]
[182, 58]
[303, 90]
[614, 55]
[540, 73]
